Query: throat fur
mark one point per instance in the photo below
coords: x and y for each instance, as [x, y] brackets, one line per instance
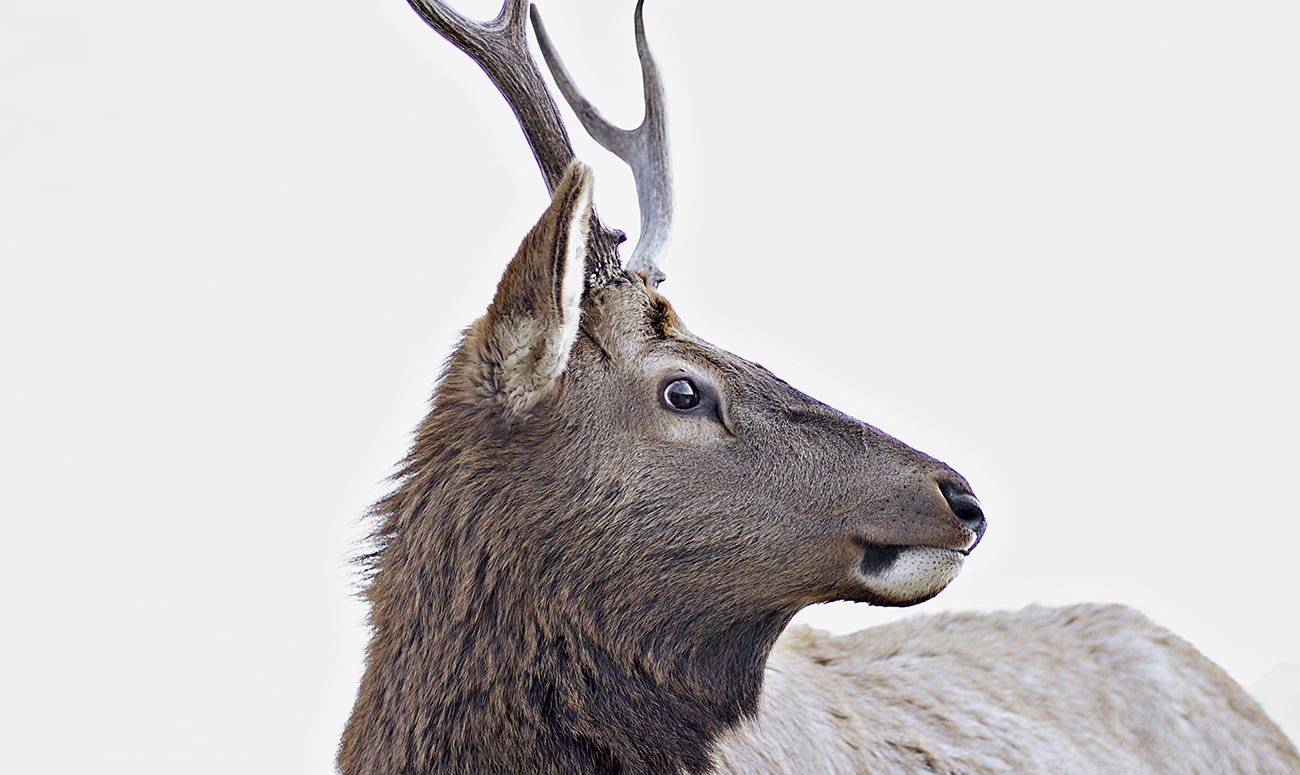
[520, 687]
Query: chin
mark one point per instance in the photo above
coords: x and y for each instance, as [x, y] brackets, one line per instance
[900, 576]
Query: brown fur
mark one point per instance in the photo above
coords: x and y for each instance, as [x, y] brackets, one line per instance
[572, 577]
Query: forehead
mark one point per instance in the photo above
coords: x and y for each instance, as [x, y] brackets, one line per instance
[630, 319]
[635, 323]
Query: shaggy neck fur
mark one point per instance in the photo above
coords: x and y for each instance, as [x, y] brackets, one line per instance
[496, 651]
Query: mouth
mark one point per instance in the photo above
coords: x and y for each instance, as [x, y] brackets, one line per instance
[902, 575]
[877, 558]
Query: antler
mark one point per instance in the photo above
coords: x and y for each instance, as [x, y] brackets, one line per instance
[500, 47]
[645, 149]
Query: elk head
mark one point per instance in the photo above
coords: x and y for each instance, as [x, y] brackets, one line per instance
[672, 469]
[593, 473]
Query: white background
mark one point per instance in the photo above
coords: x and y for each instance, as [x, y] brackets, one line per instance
[1050, 243]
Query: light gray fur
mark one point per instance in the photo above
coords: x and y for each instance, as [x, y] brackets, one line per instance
[1081, 690]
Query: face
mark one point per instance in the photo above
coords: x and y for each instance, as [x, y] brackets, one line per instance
[777, 492]
[672, 469]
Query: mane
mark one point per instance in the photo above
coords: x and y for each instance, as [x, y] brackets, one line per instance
[485, 652]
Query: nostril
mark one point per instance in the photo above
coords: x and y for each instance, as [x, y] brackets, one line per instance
[966, 506]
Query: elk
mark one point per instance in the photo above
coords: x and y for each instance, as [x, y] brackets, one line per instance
[605, 524]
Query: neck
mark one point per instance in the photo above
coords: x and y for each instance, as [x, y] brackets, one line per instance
[472, 669]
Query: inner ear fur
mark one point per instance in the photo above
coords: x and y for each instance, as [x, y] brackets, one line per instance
[524, 341]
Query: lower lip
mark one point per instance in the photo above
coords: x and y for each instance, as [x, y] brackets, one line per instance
[876, 558]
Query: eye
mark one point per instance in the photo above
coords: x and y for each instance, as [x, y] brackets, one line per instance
[680, 394]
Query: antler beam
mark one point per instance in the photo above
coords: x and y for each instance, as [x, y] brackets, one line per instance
[500, 47]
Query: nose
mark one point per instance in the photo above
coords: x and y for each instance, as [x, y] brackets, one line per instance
[967, 508]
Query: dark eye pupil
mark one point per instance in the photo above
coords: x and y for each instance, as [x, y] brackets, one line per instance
[681, 394]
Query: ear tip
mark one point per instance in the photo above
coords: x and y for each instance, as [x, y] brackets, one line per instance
[577, 177]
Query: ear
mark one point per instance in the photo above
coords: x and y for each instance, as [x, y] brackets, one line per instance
[524, 340]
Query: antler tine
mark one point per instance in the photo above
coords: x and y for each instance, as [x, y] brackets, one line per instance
[500, 47]
[645, 149]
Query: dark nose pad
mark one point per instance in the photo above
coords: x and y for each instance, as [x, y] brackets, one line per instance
[967, 508]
